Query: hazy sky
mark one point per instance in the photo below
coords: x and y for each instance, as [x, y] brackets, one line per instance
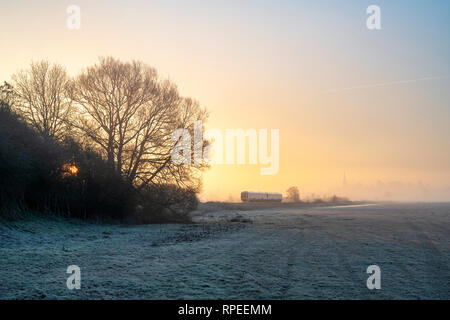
[371, 103]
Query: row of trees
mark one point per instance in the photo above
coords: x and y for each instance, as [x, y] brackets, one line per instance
[122, 111]
[293, 195]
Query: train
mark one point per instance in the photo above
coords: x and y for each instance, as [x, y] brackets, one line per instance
[248, 196]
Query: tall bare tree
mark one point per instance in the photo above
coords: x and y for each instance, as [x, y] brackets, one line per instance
[129, 114]
[44, 94]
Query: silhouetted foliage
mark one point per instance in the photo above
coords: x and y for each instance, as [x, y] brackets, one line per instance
[164, 203]
[128, 114]
[293, 195]
[8, 97]
[98, 146]
[26, 160]
[32, 176]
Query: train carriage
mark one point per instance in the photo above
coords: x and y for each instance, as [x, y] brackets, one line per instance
[248, 196]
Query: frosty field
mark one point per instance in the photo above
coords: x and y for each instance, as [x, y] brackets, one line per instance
[285, 253]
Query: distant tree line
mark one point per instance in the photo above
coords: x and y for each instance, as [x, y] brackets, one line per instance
[293, 195]
[97, 145]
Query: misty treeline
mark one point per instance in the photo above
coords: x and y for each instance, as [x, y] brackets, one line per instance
[97, 145]
[293, 195]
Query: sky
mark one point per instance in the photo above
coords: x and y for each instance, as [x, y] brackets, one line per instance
[361, 113]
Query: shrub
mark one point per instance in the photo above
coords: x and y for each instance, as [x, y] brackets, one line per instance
[164, 204]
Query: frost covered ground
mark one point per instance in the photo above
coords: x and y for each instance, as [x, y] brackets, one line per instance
[286, 253]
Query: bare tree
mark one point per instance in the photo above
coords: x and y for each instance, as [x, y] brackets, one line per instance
[293, 195]
[44, 97]
[129, 115]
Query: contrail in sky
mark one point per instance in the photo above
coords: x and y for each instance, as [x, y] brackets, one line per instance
[385, 84]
